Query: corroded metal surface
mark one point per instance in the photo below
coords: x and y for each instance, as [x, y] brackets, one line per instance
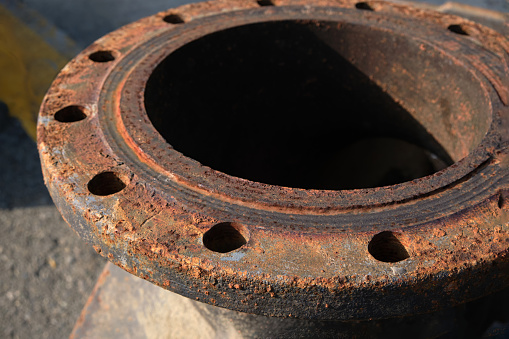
[115, 121]
[125, 306]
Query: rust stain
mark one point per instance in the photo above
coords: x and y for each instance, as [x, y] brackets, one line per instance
[438, 239]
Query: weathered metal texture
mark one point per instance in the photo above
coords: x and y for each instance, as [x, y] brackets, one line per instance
[434, 80]
[499, 21]
[125, 306]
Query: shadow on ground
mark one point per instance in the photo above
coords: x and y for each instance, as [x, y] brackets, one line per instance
[21, 183]
[47, 271]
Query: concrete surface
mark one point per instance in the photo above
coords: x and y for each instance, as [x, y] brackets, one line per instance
[47, 272]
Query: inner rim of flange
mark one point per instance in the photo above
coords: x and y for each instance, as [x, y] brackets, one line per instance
[314, 104]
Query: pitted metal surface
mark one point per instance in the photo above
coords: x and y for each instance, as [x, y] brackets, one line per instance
[218, 150]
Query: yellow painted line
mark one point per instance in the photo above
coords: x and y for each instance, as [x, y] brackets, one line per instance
[28, 65]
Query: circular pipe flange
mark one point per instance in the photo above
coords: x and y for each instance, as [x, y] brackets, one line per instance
[329, 160]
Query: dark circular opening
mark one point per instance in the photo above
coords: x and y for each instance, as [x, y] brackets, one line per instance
[265, 3]
[105, 183]
[173, 19]
[387, 248]
[364, 6]
[458, 29]
[502, 200]
[70, 114]
[225, 237]
[313, 104]
[101, 56]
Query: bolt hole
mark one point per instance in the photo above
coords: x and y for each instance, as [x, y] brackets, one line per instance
[265, 3]
[501, 201]
[173, 19]
[364, 6]
[458, 29]
[70, 114]
[105, 183]
[387, 248]
[225, 237]
[101, 56]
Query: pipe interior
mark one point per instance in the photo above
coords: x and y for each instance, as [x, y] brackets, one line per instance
[312, 104]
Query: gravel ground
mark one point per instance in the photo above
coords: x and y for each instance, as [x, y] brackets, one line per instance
[47, 272]
[51, 273]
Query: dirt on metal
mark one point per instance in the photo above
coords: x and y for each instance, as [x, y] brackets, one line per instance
[254, 124]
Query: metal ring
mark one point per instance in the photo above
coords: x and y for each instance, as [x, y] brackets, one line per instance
[109, 126]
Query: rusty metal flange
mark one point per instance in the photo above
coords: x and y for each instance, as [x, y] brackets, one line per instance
[213, 79]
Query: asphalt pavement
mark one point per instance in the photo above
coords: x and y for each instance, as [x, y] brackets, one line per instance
[47, 272]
